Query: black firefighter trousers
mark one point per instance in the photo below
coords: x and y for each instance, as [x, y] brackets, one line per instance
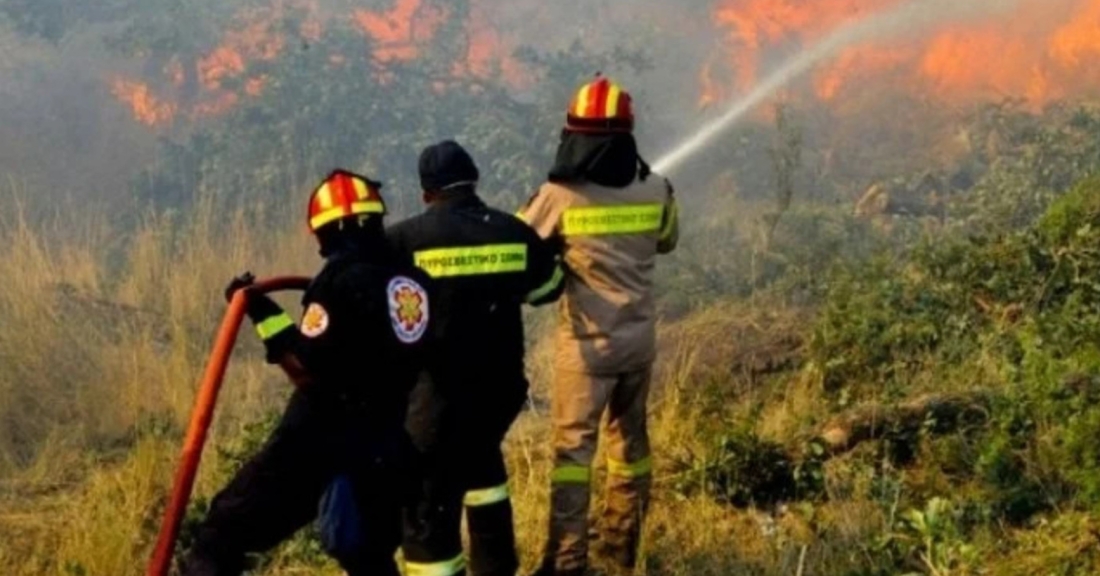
[277, 492]
[459, 436]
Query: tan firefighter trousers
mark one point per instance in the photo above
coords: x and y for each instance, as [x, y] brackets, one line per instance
[579, 401]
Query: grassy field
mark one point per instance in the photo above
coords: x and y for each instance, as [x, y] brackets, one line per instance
[104, 338]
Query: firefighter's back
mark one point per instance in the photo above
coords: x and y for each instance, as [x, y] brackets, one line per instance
[611, 237]
[385, 311]
[480, 261]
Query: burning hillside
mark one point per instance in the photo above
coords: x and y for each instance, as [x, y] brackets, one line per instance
[1035, 49]
[1041, 50]
[400, 33]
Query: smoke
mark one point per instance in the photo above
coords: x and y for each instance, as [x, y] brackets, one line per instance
[60, 111]
[905, 21]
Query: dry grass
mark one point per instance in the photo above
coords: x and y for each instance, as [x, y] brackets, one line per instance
[103, 342]
[104, 339]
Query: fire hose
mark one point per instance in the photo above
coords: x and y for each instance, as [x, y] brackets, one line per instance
[203, 412]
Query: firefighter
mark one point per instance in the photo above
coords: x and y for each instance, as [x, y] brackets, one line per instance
[485, 264]
[353, 359]
[613, 217]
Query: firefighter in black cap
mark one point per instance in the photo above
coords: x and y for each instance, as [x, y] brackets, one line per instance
[353, 358]
[485, 264]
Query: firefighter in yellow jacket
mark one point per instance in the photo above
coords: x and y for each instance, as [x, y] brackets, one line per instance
[613, 217]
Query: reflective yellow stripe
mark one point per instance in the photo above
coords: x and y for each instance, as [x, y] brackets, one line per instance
[269, 327]
[327, 216]
[445, 568]
[582, 100]
[472, 260]
[629, 219]
[361, 191]
[324, 196]
[642, 467]
[486, 496]
[670, 223]
[549, 286]
[612, 108]
[570, 475]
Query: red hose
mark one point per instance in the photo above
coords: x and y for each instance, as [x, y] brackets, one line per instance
[203, 413]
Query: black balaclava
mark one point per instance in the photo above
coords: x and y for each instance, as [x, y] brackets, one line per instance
[606, 159]
[361, 238]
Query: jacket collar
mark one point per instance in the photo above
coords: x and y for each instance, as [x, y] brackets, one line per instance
[456, 201]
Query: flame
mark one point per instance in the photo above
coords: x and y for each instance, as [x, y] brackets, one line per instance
[147, 107]
[257, 40]
[399, 32]
[1042, 51]
[253, 36]
[489, 49]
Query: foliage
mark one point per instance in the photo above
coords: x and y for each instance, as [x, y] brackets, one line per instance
[330, 103]
[741, 469]
[1022, 161]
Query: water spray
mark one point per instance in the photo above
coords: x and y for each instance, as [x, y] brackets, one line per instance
[912, 17]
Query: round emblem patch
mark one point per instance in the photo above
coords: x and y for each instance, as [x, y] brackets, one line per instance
[408, 308]
[314, 321]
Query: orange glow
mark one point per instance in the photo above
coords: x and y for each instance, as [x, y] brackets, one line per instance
[710, 92]
[1078, 41]
[253, 36]
[490, 48]
[215, 106]
[254, 86]
[256, 40]
[147, 108]
[399, 32]
[1041, 51]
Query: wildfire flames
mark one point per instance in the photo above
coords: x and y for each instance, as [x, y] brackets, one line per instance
[397, 34]
[148, 108]
[1042, 50]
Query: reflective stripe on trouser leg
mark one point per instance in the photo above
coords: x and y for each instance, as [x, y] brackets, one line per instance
[486, 496]
[578, 401]
[450, 567]
[432, 543]
[629, 470]
[492, 532]
[489, 518]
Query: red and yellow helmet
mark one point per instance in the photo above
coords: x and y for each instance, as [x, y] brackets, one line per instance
[600, 106]
[343, 194]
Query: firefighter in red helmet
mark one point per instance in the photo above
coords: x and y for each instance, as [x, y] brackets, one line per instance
[353, 357]
[612, 217]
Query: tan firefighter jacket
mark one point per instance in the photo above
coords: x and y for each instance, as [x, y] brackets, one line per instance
[611, 238]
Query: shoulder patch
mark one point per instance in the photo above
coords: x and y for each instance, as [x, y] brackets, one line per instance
[408, 302]
[314, 321]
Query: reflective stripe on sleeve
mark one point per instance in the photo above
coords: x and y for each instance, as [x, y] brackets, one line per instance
[600, 220]
[273, 325]
[554, 281]
[486, 496]
[472, 260]
[445, 568]
[669, 226]
[570, 474]
[637, 469]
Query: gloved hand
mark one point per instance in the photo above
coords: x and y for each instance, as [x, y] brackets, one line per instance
[242, 281]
